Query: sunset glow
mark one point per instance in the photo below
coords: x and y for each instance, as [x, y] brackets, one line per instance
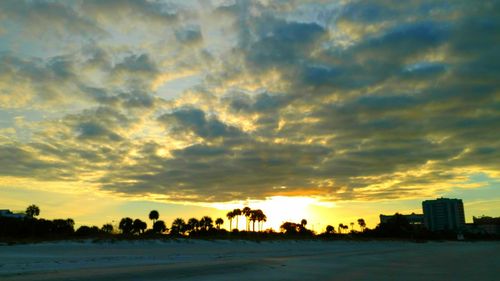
[328, 111]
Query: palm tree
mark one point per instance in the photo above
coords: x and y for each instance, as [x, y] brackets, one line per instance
[230, 216]
[262, 218]
[126, 225]
[193, 224]
[330, 229]
[362, 224]
[107, 228]
[237, 213]
[206, 222]
[154, 215]
[219, 222]
[246, 212]
[345, 227]
[352, 226]
[159, 226]
[178, 226]
[32, 211]
[256, 215]
[303, 223]
[341, 226]
[139, 226]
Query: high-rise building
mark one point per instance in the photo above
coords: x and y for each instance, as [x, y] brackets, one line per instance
[444, 214]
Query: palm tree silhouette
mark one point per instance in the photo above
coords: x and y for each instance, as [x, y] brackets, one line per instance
[139, 226]
[330, 229]
[206, 222]
[154, 215]
[341, 226]
[352, 226]
[107, 228]
[303, 223]
[159, 226]
[253, 217]
[237, 213]
[362, 224]
[126, 225]
[32, 211]
[193, 224]
[261, 218]
[230, 216]
[219, 222]
[178, 226]
[246, 212]
[345, 227]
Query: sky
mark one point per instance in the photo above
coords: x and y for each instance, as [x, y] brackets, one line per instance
[325, 110]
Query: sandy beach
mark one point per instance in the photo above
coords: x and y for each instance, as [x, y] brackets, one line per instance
[246, 260]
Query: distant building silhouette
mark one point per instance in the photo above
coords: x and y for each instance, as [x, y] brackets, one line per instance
[7, 213]
[444, 214]
[413, 219]
[485, 225]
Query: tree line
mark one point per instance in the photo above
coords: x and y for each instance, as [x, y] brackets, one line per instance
[30, 226]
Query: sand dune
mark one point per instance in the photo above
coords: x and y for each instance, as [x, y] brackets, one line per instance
[244, 260]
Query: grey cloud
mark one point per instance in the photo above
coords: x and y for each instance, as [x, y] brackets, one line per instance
[136, 64]
[282, 43]
[48, 17]
[88, 130]
[194, 120]
[416, 92]
[119, 10]
[189, 35]
[17, 160]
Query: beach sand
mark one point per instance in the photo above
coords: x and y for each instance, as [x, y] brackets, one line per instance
[246, 260]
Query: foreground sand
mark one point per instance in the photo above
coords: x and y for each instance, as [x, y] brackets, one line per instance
[244, 260]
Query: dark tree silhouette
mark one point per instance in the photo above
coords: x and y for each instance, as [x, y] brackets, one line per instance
[257, 216]
[341, 227]
[303, 223]
[193, 225]
[63, 227]
[219, 222]
[352, 226]
[32, 211]
[87, 231]
[253, 218]
[107, 228]
[290, 227]
[159, 226]
[139, 226]
[230, 216]
[126, 225]
[237, 214]
[261, 219]
[206, 223]
[154, 215]
[178, 227]
[345, 227]
[362, 224]
[330, 229]
[247, 212]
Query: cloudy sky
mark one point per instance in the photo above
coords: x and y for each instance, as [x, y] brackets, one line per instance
[332, 109]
